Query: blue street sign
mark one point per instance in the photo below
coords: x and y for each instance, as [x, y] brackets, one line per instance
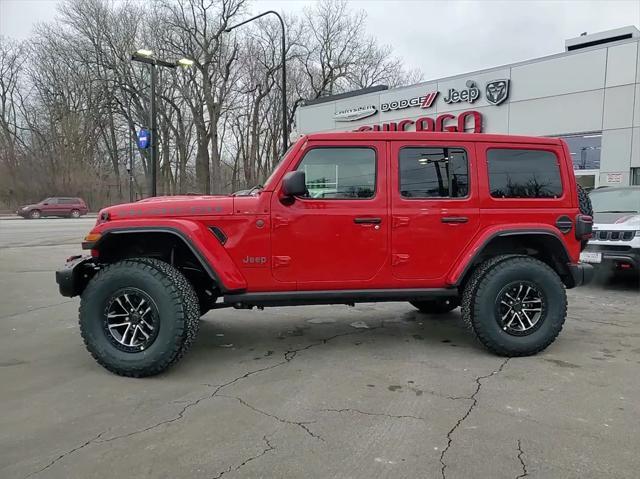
[144, 139]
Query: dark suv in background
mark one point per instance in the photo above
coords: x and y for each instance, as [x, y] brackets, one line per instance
[56, 206]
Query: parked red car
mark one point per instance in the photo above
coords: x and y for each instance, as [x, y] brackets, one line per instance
[56, 206]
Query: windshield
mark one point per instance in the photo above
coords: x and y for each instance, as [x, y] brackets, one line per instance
[258, 188]
[275, 167]
[616, 201]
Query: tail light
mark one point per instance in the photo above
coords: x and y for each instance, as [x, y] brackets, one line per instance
[584, 227]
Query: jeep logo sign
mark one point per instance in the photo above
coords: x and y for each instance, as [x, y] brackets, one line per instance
[471, 94]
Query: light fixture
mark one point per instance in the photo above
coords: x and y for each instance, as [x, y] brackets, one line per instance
[144, 52]
[185, 62]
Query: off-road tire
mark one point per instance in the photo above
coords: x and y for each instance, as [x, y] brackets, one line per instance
[436, 306]
[586, 208]
[74, 214]
[165, 286]
[471, 285]
[483, 313]
[189, 298]
[35, 214]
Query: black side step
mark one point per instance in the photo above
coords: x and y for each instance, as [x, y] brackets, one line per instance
[298, 298]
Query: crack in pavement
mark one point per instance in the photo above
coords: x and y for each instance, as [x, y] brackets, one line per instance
[366, 413]
[269, 448]
[288, 357]
[525, 473]
[65, 454]
[301, 424]
[606, 323]
[26, 311]
[474, 403]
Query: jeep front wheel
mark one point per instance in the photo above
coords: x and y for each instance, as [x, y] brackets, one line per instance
[518, 307]
[136, 317]
[436, 306]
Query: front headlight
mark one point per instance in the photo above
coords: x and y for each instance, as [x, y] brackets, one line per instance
[24, 208]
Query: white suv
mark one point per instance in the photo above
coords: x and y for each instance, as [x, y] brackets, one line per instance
[616, 229]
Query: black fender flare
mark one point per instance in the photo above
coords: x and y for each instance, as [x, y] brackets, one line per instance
[511, 233]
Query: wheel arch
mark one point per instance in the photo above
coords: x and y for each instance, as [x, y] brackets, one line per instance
[543, 244]
[165, 242]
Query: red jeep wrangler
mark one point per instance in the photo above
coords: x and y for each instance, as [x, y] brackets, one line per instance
[493, 223]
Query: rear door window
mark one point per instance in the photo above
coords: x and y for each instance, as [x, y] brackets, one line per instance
[433, 172]
[521, 173]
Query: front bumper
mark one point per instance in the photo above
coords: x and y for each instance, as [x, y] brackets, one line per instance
[75, 275]
[582, 273]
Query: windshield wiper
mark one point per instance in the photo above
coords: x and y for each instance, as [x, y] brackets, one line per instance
[255, 188]
[247, 192]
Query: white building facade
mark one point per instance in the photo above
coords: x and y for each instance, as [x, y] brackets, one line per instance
[588, 95]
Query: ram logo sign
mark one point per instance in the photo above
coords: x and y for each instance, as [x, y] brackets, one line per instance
[354, 114]
[497, 91]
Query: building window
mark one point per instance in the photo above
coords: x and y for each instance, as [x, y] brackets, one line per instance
[433, 173]
[635, 176]
[585, 150]
[517, 173]
[340, 173]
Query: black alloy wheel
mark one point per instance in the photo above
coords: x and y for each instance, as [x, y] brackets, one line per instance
[520, 308]
[131, 320]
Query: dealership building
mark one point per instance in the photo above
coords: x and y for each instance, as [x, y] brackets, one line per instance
[589, 95]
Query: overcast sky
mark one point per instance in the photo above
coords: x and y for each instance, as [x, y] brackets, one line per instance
[441, 38]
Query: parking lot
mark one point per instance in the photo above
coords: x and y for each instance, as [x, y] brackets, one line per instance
[376, 390]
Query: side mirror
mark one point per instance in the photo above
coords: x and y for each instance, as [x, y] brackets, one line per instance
[294, 184]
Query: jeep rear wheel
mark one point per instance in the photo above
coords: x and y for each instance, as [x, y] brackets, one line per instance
[437, 306]
[136, 318]
[518, 307]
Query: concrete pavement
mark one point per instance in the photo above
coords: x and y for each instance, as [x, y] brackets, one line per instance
[378, 390]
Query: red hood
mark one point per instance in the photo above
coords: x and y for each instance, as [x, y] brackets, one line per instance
[172, 206]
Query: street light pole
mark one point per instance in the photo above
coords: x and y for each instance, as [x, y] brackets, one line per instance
[285, 134]
[146, 56]
[153, 144]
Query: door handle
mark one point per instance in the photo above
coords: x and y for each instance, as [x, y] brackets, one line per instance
[454, 219]
[367, 221]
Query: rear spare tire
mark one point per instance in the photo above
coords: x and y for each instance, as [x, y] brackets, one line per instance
[134, 318]
[584, 203]
[518, 307]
